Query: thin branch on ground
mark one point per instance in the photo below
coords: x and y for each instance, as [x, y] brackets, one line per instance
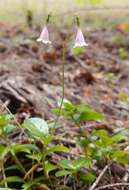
[99, 178]
[112, 186]
[9, 112]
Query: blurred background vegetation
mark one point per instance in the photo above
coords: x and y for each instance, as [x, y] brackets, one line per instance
[16, 10]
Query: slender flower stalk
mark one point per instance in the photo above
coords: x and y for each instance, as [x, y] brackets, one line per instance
[62, 83]
[80, 40]
[62, 77]
[44, 38]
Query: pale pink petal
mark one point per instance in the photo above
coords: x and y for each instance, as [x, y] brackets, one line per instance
[44, 36]
[80, 41]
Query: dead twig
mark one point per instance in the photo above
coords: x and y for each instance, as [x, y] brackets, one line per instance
[99, 178]
[8, 111]
[112, 186]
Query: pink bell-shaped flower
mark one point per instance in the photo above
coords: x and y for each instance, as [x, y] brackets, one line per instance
[44, 36]
[80, 41]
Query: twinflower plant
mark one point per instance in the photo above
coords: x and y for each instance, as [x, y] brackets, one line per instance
[43, 159]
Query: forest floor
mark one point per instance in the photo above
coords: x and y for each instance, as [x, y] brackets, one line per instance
[99, 75]
[30, 72]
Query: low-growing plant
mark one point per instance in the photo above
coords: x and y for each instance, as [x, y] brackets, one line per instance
[99, 144]
[104, 147]
[38, 130]
[42, 159]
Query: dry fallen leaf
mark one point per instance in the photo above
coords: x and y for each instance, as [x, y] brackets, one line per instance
[50, 56]
[43, 187]
[84, 76]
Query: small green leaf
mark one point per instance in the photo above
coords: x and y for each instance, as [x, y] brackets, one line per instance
[123, 159]
[9, 128]
[5, 119]
[24, 148]
[89, 116]
[67, 164]
[67, 109]
[84, 113]
[62, 112]
[53, 126]
[81, 162]
[87, 177]
[118, 154]
[83, 141]
[46, 139]
[68, 105]
[76, 164]
[12, 179]
[121, 156]
[122, 135]
[106, 140]
[78, 50]
[63, 173]
[57, 148]
[37, 127]
[12, 167]
[3, 151]
[28, 185]
[37, 156]
[100, 132]
[49, 167]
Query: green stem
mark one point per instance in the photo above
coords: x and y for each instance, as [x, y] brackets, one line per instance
[32, 175]
[44, 167]
[43, 162]
[79, 126]
[78, 21]
[4, 176]
[18, 162]
[48, 18]
[62, 83]
[14, 155]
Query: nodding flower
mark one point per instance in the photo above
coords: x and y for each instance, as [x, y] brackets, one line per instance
[44, 36]
[79, 41]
